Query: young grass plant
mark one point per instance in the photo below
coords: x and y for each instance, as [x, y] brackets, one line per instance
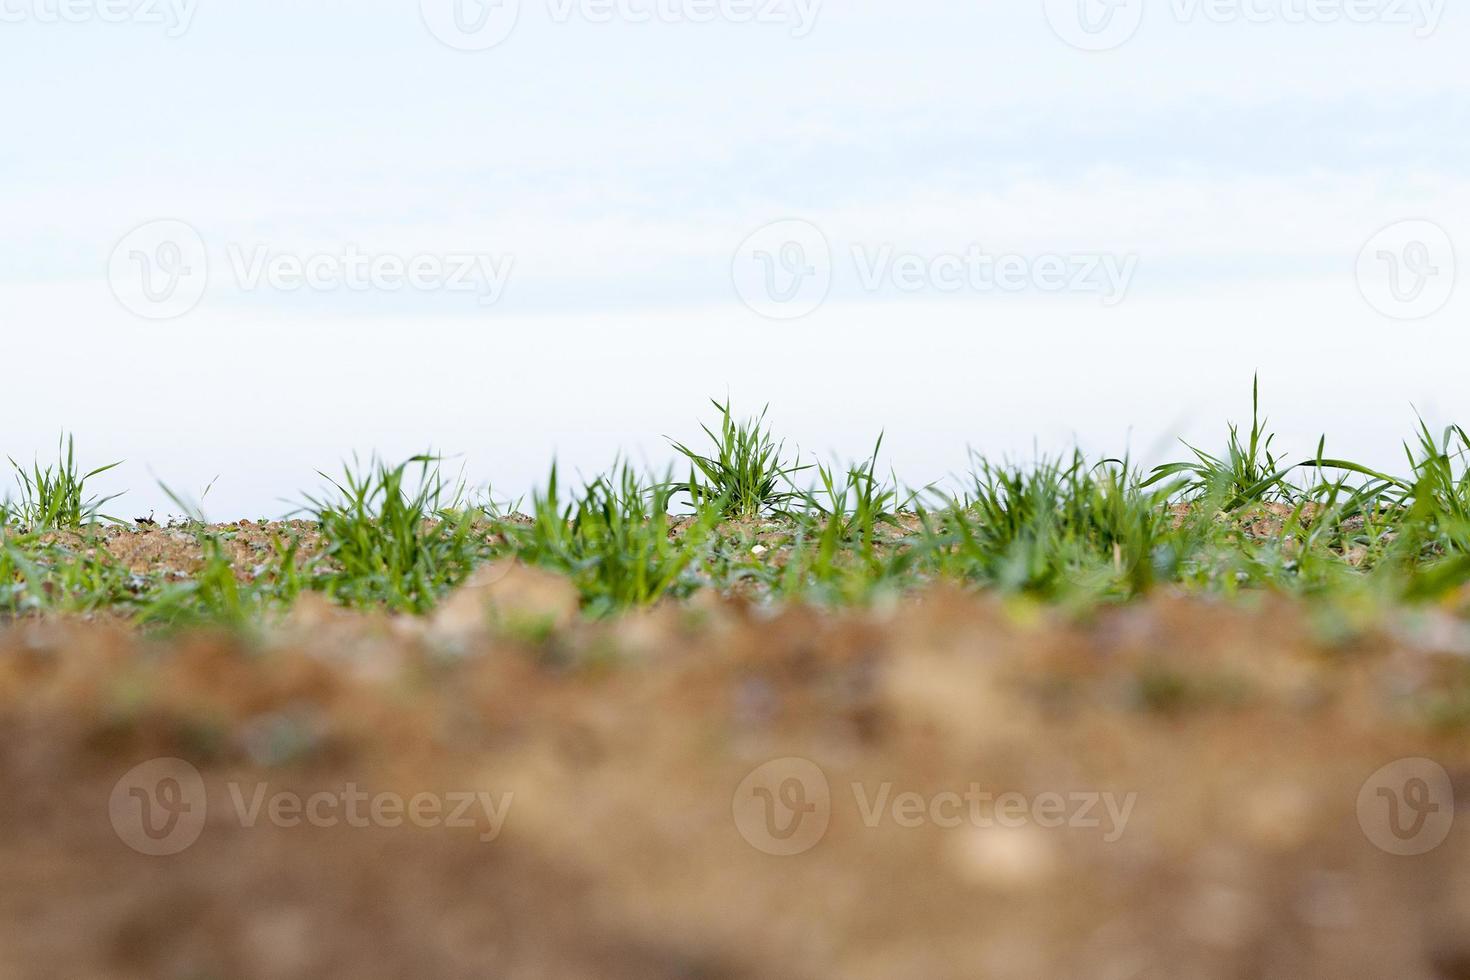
[52, 577]
[1441, 490]
[56, 496]
[213, 595]
[394, 539]
[616, 540]
[1248, 472]
[838, 553]
[853, 506]
[1059, 527]
[746, 475]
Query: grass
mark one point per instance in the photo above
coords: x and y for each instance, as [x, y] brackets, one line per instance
[1247, 473]
[40, 576]
[614, 539]
[214, 594]
[400, 536]
[1058, 525]
[746, 475]
[1066, 529]
[55, 496]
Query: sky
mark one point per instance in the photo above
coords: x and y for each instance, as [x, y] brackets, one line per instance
[246, 241]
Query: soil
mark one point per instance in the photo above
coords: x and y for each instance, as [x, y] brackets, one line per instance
[175, 552]
[714, 789]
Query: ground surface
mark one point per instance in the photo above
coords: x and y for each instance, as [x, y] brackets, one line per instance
[714, 789]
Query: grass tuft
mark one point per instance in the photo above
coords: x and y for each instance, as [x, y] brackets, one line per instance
[1247, 473]
[616, 540]
[746, 474]
[396, 535]
[56, 496]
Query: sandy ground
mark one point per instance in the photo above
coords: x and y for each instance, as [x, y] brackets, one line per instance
[947, 787]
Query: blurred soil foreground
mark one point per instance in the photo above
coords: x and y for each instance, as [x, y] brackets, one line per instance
[945, 786]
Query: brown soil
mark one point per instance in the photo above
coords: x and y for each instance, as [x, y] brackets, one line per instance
[175, 552]
[634, 843]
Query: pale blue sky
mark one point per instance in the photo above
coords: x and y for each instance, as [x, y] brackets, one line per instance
[1244, 166]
